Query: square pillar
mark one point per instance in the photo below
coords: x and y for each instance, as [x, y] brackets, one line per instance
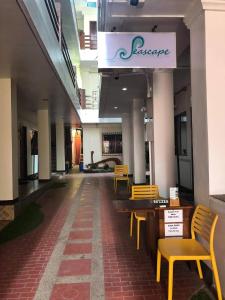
[8, 141]
[44, 144]
[60, 146]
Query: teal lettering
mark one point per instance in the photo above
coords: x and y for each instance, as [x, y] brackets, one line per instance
[167, 52]
[154, 52]
[160, 52]
[137, 49]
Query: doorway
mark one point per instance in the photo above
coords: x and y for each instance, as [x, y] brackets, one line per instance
[93, 35]
[183, 152]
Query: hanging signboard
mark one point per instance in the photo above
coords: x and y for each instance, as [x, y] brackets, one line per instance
[136, 50]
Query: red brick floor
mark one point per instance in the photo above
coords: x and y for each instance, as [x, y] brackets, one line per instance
[78, 249]
[23, 260]
[83, 224]
[87, 234]
[76, 291]
[128, 274]
[75, 267]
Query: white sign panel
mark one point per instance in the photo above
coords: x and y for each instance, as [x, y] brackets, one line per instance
[136, 50]
[173, 192]
[173, 215]
[174, 229]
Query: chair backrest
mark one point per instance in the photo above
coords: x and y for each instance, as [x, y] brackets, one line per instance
[203, 224]
[121, 170]
[144, 192]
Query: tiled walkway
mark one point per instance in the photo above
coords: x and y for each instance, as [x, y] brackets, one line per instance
[83, 251]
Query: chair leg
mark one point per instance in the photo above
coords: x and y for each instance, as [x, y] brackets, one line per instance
[131, 223]
[138, 234]
[128, 185]
[170, 280]
[158, 266]
[216, 277]
[114, 184]
[199, 269]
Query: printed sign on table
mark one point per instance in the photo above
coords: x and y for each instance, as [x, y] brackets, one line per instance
[174, 229]
[173, 215]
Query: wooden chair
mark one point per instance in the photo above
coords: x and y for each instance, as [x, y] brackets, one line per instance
[121, 174]
[203, 226]
[141, 192]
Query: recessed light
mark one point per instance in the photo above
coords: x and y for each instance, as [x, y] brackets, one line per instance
[115, 107]
[124, 89]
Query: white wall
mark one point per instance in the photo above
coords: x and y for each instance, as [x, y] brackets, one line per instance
[90, 82]
[92, 141]
[90, 14]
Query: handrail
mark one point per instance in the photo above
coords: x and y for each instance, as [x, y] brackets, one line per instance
[53, 16]
[87, 41]
[50, 5]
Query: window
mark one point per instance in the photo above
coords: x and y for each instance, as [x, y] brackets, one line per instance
[92, 4]
[112, 143]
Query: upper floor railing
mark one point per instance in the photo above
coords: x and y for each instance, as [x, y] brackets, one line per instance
[50, 4]
[87, 41]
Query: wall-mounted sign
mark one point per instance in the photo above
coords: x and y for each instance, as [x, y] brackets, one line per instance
[173, 215]
[136, 50]
[174, 229]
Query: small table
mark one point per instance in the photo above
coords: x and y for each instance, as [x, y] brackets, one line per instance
[156, 223]
[144, 204]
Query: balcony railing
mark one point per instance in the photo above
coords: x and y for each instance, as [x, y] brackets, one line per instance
[60, 37]
[87, 41]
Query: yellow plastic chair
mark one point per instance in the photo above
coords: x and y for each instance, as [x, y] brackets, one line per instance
[121, 174]
[141, 192]
[203, 225]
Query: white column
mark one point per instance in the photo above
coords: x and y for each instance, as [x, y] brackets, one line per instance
[163, 118]
[127, 141]
[138, 142]
[8, 140]
[207, 28]
[44, 144]
[60, 145]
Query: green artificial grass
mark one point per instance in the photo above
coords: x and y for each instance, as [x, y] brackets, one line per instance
[28, 220]
[202, 295]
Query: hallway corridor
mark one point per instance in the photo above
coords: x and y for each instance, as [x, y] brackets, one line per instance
[82, 251]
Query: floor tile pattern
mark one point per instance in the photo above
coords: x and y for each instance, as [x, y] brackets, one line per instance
[83, 251]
